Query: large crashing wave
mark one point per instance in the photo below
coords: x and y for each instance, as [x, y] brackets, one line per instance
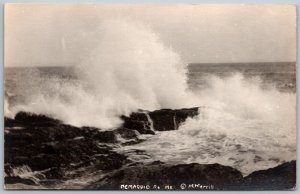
[240, 125]
[129, 69]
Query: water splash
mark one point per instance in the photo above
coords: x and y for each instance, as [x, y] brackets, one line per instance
[241, 125]
[129, 69]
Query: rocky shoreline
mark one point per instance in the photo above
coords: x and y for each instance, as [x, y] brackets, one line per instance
[41, 152]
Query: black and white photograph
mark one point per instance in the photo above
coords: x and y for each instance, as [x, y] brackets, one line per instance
[102, 96]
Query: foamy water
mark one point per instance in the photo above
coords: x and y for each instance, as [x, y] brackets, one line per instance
[129, 69]
[247, 145]
[241, 124]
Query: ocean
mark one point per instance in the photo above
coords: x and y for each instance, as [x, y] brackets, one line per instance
[247, 114]
[247, 120]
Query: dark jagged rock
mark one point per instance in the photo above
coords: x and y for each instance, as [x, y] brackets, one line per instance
[128, 133]
[160, 174]
[53, 173]
[106, 137]
[59, 154]
[128, 136]
[141, 126]
[282, 177]
[168, 119]
[9, 122]
[17, 179]
[29, 119]
[138, 121]
[163, 120]
[48, 146]
[45, 144]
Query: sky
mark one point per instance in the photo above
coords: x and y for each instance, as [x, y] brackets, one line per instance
[63, 34]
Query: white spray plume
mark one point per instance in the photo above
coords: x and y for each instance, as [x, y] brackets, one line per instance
[129, 69]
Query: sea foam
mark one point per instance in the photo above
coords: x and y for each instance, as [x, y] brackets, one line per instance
[130, 68]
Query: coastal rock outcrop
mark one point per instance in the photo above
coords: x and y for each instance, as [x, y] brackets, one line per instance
[168, 119]
[147, 122]
[46, 144]
[198, 177]
[281, 177]
[183, 176]
[47, 149]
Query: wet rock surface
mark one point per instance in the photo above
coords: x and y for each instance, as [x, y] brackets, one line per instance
[17, 179]
[45, 149]
[198, 177]
[55, 148]
[159, 174]
[282, 177]
[162, 120]
[168, 119]
[46, 144]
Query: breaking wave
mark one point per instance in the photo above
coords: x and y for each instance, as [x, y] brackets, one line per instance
[129, 69]
[239, 125]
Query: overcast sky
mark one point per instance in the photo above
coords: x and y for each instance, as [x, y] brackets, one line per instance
[64, 34]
